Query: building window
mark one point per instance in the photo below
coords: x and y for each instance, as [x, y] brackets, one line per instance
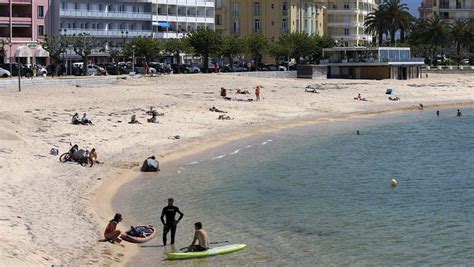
[76, 6]
[284, 9]
[63, 5]
[346, 6]
[346, 31]
[235, 9]
[218, 20]
[236, 26]
[40, 11]
[101, 7]
[256, 25]
[40, 30]
[284, 25]
[256, 8]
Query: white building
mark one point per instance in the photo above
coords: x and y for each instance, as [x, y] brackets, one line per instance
[119, 20]
[345, 21]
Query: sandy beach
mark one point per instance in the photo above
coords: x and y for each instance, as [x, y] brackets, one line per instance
[55, 213]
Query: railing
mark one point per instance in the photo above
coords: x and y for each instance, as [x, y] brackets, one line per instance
[166, 35]
[108, 33]
[103, 14]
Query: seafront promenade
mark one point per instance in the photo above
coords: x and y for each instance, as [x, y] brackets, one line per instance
[45, 198]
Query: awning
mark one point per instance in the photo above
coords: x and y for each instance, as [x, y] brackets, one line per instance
[40, 52]
[163, 24]
[23, 51]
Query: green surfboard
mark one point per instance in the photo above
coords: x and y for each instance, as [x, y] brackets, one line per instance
[202, 254]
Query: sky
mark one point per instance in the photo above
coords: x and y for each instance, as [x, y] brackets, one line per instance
[413, 6]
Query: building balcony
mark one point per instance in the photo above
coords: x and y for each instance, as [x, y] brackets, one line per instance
[351, 37]
[200, 3]
[167, 35]
[26, 2]
[173, 18]
[104, 15]
[347, 11]
[345, 24]
[115, 33]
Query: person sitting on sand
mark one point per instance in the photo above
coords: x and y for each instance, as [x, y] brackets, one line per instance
[359, 97]
[459, 114]
[85, 120]
[176, 137]
[223, 92]
[394, 98]
[111, 233]
[214, 109]
[243, 92]
[151, 111]
[153, 119]
[224, 117]
[73, 151]
[201, 237]
[257, 93]
[421, 107]
[93, 156]
[311, 91]
[133, 120]
[75, 119]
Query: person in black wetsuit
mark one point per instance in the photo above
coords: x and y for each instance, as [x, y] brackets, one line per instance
[170, 224]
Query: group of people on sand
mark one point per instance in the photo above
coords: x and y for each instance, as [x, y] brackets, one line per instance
[75, 154]
[258, 91]
[83, 121]
[170, 222]
[152, 112]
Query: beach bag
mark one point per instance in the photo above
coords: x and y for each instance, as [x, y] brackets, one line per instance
[54, 151]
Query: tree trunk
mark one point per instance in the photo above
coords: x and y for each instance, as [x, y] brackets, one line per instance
[84, 65]
[206, 62]
[392, 38]
[402, 35]
[380, 38]
[231, 62]
[178, 62]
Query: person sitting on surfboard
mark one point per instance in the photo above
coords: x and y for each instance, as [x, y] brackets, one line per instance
[170, 213]
[200, 235]
[111, 233]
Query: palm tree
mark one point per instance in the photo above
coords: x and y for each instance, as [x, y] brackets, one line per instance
[436, 34]
[376, 23]
[398, 18]
[459, 32]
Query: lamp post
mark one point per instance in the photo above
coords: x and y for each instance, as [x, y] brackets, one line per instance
[133, 58]
[70, 60]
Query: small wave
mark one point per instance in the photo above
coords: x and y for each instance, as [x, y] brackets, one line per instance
[194, 162]
[235, 152]
[219, 157]
[266, 142]
[249, 146]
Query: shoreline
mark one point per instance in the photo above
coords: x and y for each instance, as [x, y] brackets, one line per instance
[106, 192]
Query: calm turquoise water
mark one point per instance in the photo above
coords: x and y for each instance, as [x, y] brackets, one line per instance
[322, 195]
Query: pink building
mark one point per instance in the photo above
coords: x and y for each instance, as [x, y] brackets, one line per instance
[426, 9]
[22, 25]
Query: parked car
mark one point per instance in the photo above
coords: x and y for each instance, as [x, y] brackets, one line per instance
[26, 72]
[227, 68]
[273, 67]
[5, 73]
[110, 68]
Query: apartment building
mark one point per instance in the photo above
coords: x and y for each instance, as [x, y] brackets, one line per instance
[270, 18]
[426, 9]
[454, 9]
[118, 21]
[22, 25]
[345, 21]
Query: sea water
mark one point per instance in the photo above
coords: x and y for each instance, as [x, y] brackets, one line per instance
[321, 195]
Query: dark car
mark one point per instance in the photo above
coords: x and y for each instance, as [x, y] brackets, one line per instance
[25, 72]
[110, 68]
[237, 68]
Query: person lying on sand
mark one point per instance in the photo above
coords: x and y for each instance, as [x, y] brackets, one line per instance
[359, 97]
[93, 156]
[394, 98]
[176, 137]
[151, 111]
[311, 91]
[75, 119]
[111, 233]
[85, 120]
[214, 109]
[242, 92]
[224, 117]
[133, 120]
[201, 237]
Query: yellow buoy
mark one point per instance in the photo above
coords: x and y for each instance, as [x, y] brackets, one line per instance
[393, 183]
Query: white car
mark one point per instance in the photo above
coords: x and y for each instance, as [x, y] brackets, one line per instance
[5, 73]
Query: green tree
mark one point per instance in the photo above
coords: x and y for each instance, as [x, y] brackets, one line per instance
[231, 47]
[376, 24]
[301, 44]
[436, 33]
[460, 35]
[280, 50]
[144, 48]
[256, 45]
[205, 42]
[398, 18]
[3, 43]
[55, 45]
[83, 44]
[177, 46]
[320, 42]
